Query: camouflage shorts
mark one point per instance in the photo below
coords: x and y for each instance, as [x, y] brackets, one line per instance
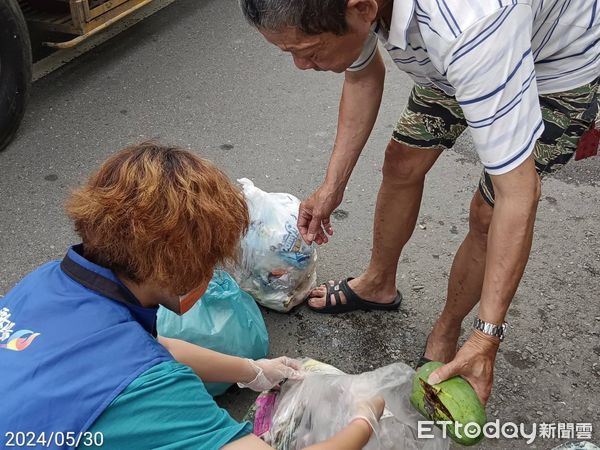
[434, 119]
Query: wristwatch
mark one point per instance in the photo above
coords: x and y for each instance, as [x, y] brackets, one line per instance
[491, 329]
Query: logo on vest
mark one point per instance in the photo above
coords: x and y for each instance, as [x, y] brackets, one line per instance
[10, 339]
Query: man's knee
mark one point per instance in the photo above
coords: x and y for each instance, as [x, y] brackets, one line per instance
[480, 218]
[404, 164]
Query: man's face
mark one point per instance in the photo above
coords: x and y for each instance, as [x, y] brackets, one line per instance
[324, 52]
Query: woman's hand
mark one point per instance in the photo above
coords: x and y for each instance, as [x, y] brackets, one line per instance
[370, 411]
[270, 372]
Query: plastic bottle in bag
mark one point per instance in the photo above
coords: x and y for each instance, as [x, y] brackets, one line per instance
[276, 266]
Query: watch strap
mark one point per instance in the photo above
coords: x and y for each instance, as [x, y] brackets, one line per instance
[491, 329]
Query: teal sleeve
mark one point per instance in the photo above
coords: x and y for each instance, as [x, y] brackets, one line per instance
[167, 407]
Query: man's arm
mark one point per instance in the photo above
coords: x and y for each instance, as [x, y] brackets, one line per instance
[359, 105]
[509, 243]
[495, 85]
[509, 239]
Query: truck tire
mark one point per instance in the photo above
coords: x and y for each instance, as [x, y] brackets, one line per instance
[15, 69]
[52, 6]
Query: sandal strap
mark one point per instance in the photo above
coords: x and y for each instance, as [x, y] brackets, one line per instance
[352, 301]
[335, 291]
[348, 292]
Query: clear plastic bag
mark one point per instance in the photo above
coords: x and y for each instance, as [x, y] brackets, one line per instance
[277, 267]
[314, 409]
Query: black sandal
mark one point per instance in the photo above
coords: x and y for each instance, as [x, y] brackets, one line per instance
[353, 301]
[423, 359]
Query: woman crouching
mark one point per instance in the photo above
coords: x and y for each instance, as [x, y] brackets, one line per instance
[83, 353]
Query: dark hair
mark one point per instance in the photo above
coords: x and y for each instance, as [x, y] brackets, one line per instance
[309, 16]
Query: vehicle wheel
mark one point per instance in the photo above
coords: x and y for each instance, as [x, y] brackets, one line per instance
[15, 69]
[51, 6]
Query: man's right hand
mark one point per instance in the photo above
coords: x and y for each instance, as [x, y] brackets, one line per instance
[314, 216]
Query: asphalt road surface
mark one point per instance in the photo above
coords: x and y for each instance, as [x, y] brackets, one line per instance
[195, 75]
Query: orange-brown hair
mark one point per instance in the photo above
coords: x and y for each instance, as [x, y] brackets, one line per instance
[161, 215]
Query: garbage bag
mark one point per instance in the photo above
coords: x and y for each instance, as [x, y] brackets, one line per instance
[302, 413]
[276, 266]
[225, 319]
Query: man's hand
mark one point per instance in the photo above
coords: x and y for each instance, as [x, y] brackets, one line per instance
[314, 217]
[474, 362]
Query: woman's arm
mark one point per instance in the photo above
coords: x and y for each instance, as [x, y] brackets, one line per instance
[210, 366]
[215, 367]
[354, 437]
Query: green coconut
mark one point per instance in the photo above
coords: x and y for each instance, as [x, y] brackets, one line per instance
[452, 400]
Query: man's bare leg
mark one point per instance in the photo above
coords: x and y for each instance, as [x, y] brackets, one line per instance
[396, 212]
[464, 285]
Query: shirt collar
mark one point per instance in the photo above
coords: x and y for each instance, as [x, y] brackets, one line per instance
[75, 253]
[146, 317]
[402, 13]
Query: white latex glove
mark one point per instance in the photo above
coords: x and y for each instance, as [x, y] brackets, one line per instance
[370, 411]
[271, 372]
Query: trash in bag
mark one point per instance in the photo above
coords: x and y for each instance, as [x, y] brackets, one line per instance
[276, 266]
[302, 413]
[225, 319]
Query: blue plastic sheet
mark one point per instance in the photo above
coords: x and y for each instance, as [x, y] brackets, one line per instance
[225, 319]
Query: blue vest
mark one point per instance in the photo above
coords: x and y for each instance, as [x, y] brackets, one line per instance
[72, 337]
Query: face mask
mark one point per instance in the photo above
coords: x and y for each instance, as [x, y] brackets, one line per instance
[187, 301]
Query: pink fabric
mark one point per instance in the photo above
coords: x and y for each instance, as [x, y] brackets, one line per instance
[264, 412]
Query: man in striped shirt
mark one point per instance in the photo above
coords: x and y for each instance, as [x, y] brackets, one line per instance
[522, 75]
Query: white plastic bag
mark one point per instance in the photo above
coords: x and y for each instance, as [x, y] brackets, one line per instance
[312, 410]
[277, 267]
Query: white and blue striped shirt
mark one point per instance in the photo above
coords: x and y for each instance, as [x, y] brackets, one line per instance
[495, 56]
